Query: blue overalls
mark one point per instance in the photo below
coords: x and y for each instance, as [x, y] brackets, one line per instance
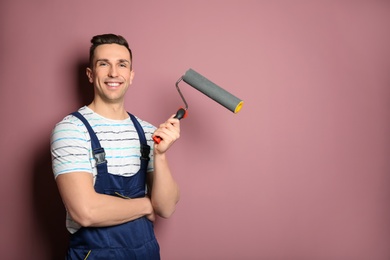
[131, 240]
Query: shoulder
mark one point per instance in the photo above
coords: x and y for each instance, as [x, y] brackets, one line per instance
[69, 126]
[145, 124]
[148, 130]
[147, 127]
[74, 121]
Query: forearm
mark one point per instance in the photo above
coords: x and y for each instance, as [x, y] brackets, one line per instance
[165, 191]
[89, 208]
[106, 210]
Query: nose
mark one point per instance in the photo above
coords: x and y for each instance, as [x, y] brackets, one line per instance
[112, 72]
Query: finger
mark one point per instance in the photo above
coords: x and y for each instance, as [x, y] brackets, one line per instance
[169, 133]
[170, 126]
[173, 122]
[166, 135]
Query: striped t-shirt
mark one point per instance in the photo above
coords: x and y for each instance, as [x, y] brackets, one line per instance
[72, 152]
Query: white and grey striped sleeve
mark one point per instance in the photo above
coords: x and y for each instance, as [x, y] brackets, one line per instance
[70, 147]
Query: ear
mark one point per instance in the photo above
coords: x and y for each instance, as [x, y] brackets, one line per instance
[131, 76]
[89, 73]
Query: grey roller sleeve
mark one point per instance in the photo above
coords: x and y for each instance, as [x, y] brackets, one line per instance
[212, 90]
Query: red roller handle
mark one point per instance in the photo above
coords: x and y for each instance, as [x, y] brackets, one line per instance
[181, 113]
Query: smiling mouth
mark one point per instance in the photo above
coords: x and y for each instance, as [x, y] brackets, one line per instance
[113, 84]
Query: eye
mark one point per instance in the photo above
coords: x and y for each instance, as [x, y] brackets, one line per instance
[102, 64]
[123, 65]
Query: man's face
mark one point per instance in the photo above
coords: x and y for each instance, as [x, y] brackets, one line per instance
[111, 73]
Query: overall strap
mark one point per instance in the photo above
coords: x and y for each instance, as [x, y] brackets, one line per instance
[98, 151]
[145, 148]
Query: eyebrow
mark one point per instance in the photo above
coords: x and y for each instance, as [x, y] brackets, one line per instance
[106, 60]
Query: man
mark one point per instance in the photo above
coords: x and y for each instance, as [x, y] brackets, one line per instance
[102, 163]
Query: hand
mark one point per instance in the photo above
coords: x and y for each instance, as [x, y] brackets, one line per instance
[169, 131]
[151, 217]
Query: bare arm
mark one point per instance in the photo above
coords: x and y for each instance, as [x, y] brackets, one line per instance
[164, 190]
[89, 208]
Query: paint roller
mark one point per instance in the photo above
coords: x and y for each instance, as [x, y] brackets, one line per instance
[208, 88]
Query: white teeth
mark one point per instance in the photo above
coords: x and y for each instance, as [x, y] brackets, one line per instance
[113, 84]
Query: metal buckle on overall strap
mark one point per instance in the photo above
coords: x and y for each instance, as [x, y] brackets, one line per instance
[100, 155]
[145, 151]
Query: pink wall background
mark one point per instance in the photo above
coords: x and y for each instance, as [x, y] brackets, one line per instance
[301, 173]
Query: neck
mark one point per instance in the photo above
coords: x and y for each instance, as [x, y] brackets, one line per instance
[111, 111]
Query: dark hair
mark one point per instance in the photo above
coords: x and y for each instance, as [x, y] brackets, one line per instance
[107, 39]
